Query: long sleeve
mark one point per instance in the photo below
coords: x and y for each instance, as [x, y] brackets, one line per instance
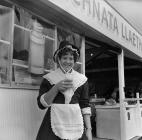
[84, 99]
[44, 87]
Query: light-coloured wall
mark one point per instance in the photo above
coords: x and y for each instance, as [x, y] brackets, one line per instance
[108, 122]
[20, 117]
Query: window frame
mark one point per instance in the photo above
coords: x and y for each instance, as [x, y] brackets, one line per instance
[13, 62]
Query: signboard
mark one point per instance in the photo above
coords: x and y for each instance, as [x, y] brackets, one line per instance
[102, 17]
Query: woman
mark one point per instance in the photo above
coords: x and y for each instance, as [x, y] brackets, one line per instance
[113, 94]
[65, 93]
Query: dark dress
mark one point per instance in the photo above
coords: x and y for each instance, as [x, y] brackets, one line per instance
[80, 96]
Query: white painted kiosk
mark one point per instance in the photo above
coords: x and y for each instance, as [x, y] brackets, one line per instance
[20, 118]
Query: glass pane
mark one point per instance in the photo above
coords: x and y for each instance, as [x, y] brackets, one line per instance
[24, 19]
[48, 58]
[21, 76]
[5, 23]
[21, 44]
[32, 54]
[4, 64]
[32, 48]
[71, 37]
[43, 27]
[49, 30]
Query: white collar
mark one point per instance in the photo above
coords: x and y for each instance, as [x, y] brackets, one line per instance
[56, 76]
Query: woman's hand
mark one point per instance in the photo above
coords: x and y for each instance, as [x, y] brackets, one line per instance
[64, 85]
[89, 134]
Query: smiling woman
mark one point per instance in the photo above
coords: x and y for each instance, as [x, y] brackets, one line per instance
[65, 93]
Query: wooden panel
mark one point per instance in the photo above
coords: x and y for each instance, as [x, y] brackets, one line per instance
[108, 123]
[20, 117]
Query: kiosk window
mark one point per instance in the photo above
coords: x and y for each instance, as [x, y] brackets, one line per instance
[5, 34]
[33, 48]
[27, 45]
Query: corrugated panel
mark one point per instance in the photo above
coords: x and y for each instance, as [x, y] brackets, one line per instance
[20, 117]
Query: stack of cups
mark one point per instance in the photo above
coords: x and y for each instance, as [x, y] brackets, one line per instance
[37, 43]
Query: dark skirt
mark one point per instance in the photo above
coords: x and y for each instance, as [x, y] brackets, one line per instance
[45, 132]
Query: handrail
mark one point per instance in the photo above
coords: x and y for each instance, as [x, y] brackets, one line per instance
[132, 99]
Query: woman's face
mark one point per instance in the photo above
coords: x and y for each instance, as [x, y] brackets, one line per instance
[67, 61]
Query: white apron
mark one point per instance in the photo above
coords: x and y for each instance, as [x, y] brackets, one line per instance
[67, 121]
